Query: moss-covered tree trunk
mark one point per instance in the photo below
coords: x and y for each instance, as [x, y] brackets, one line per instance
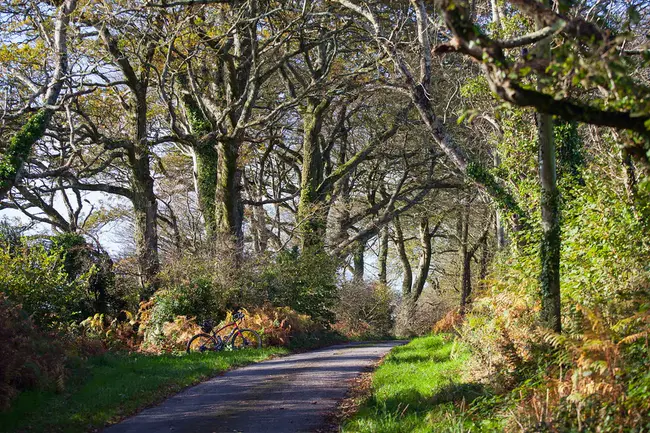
[312, 217]
[205, 161]
[466, 259]
[549, 251]
[229, 205]
[551, 234]
[20, 147]
[206, 167]
[21, 143]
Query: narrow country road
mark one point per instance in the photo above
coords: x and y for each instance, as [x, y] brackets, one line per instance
[285, 395]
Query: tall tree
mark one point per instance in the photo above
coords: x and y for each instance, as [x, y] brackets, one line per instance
[551, 313]
[21, 143]
[418, 86]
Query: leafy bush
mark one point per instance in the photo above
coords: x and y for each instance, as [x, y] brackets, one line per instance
[279, 326]
[197, 300]
[81, 260]
[113, 333]
[305, 282]
[592, 377]
[36, 278]
[204, 287]
[285, 298]
[201, 288]
[30, 359]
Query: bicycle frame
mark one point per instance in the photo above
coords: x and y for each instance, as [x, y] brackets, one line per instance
[232, 333]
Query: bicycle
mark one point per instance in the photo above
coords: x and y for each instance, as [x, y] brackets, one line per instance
[239, 338]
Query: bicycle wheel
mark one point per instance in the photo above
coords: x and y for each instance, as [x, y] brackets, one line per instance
[246, 339]
[201, 343]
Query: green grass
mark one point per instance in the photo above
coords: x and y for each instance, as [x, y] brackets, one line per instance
[416, 389]
[110, 387]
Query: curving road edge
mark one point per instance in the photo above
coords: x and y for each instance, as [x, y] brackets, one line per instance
[290, 394]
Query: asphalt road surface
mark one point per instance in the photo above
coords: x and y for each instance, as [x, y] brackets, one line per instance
[291, 394]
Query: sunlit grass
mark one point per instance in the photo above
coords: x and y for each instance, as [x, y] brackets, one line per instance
[110, 387]
[415, 388]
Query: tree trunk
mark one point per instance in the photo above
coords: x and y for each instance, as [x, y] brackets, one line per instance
[145, 210]
[145, 205]
[550, 314]
[407, 273]
[20, 145]
[425, 260]
[498, 221]
[358, 259]
[205, 160]
[311, 216]
[229, 206]
[551, 237]
[206, 167]
[466, 283]
[466, 267]
[485, 258]
[383, 256]
[260, 231]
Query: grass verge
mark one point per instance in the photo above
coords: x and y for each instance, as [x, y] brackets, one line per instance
[111, 386]
[417, 389]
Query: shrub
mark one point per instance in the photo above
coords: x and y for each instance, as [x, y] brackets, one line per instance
[196, 299]
[112, 333]
[36, 278]
[172, 335]
[206, 287]
[305, 282]
[280, 325]
[82, 261]
[364, 311]
[30, 359]
[592, 376]
[451, 322]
